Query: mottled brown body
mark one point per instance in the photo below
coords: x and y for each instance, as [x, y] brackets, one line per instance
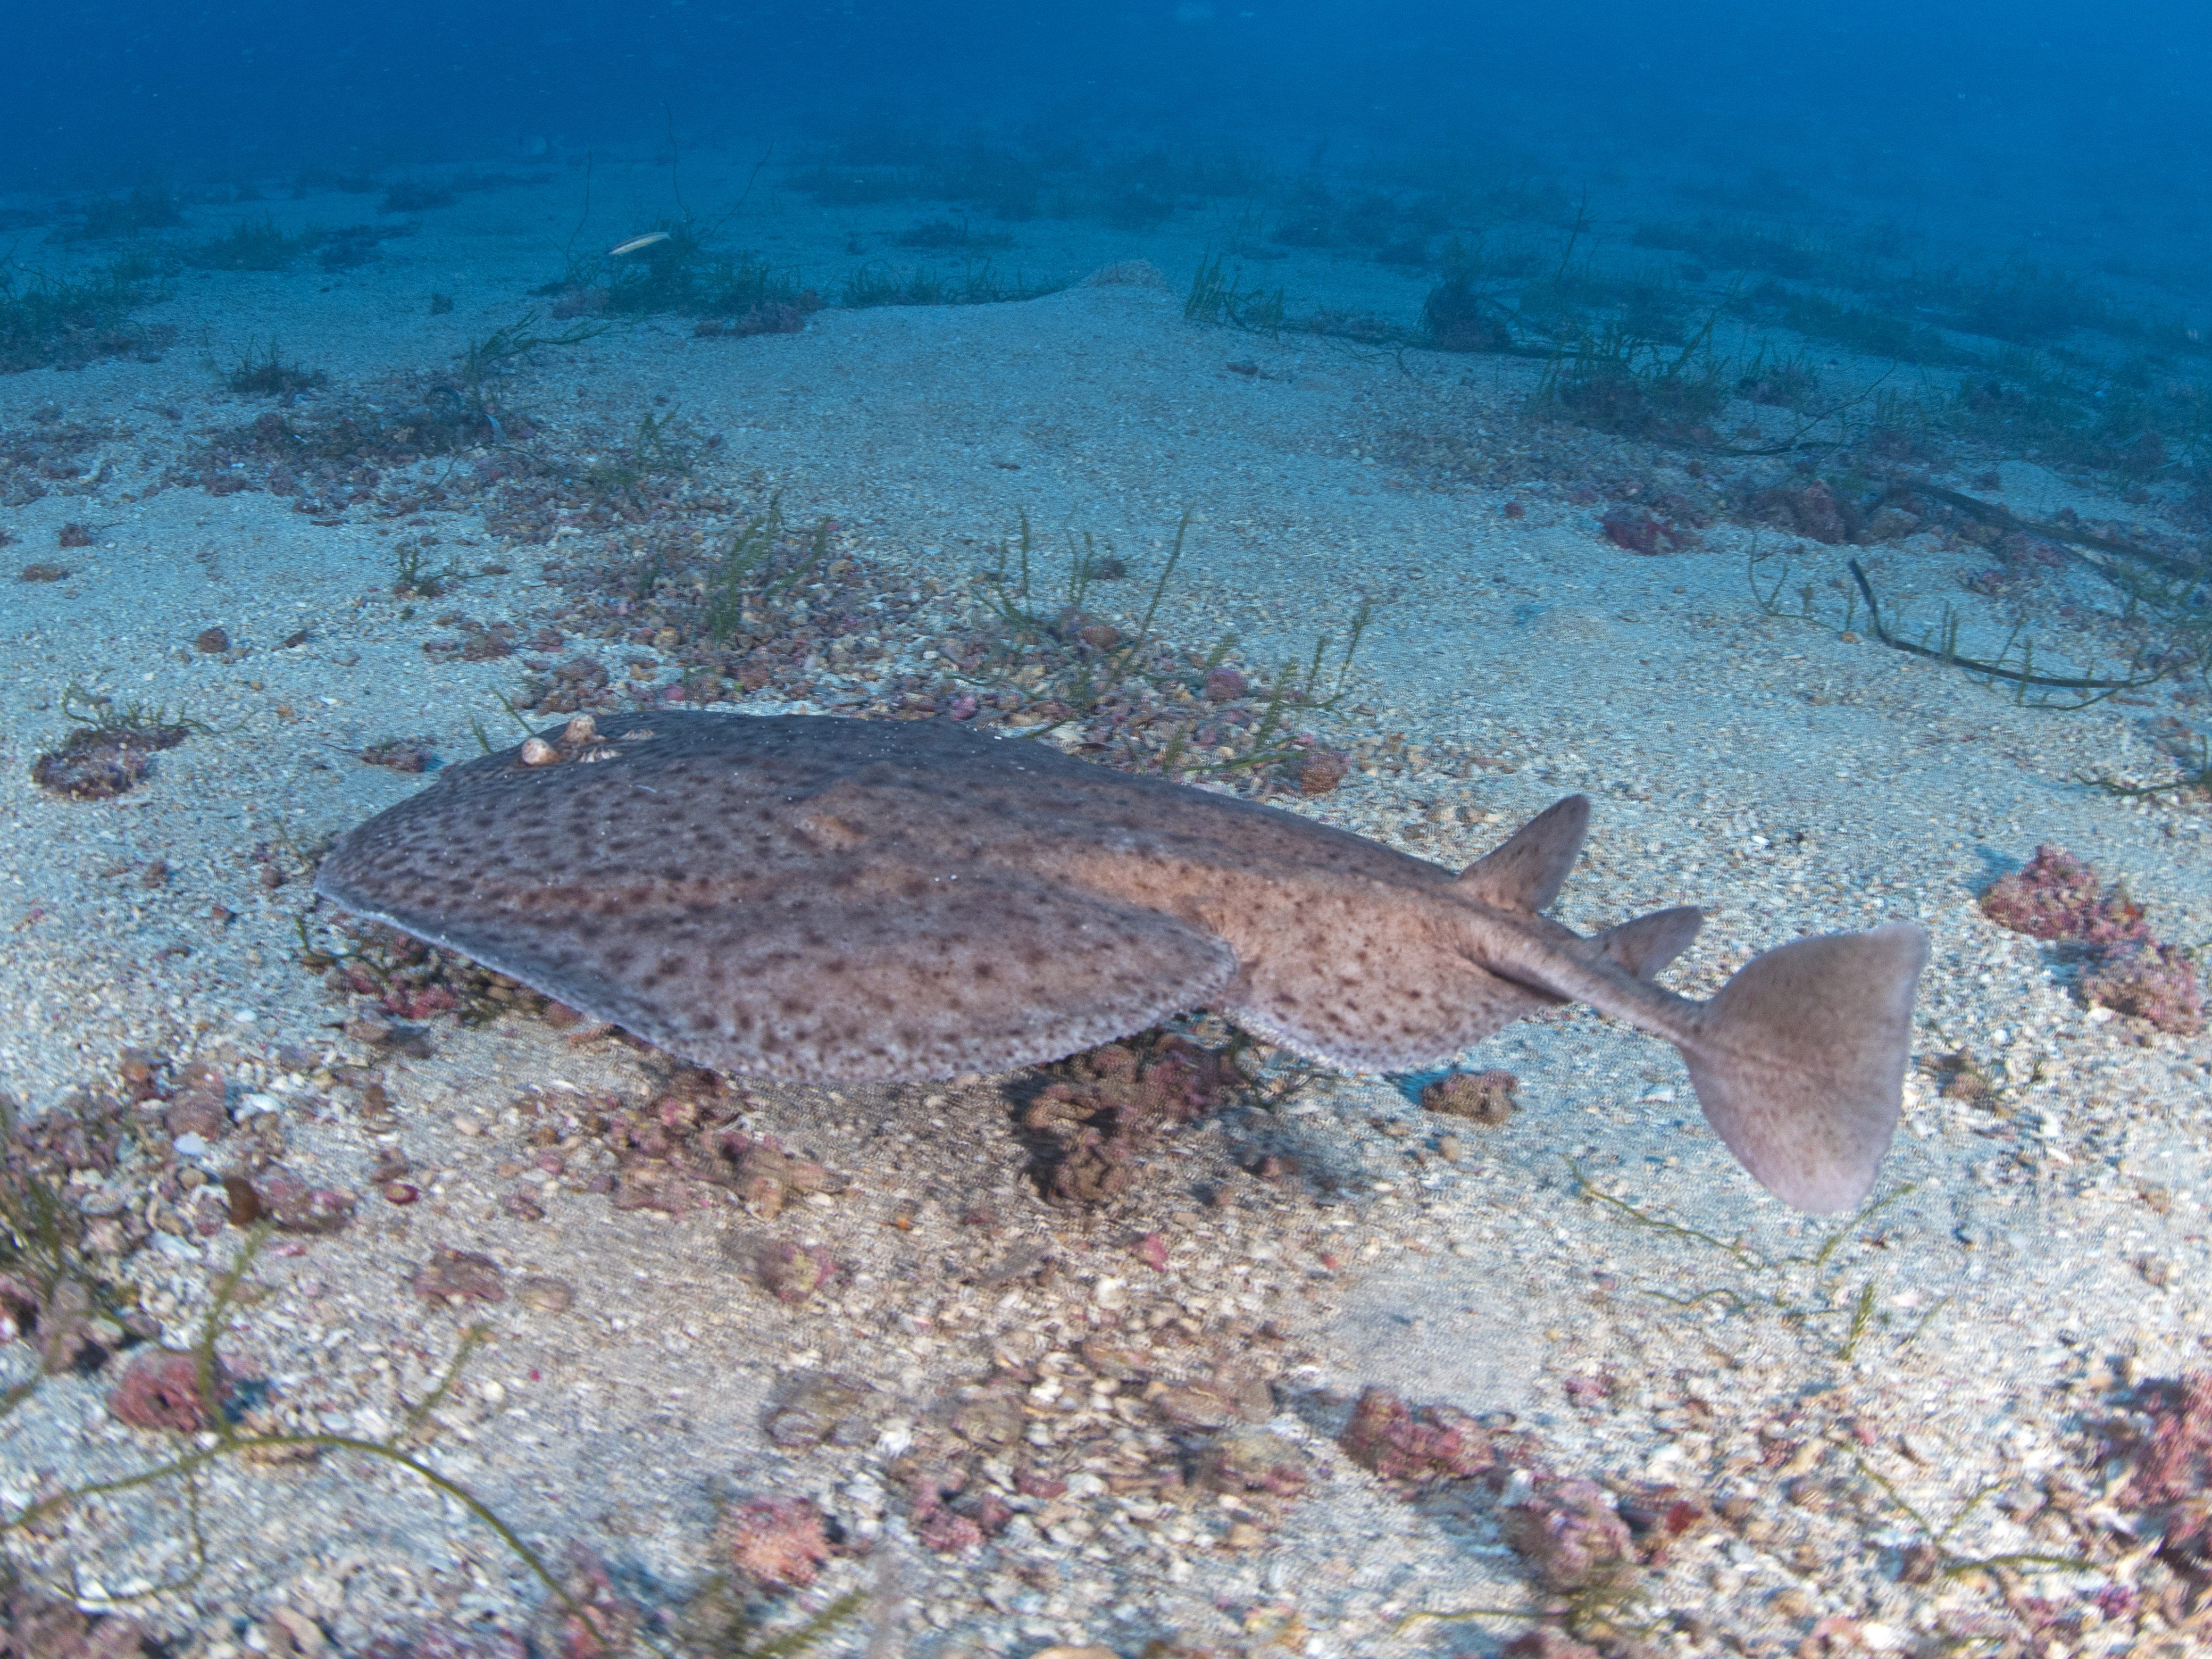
[818, 899]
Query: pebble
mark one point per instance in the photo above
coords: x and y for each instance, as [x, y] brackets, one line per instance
[543, 1294]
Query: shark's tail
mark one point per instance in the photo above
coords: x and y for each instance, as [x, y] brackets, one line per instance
[1799, 1061]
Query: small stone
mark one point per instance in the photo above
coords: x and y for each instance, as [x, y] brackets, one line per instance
[197, 1111]
[1792, 1603]
[1320, 771]
[242, 1203]
[543, 1294]
[793, 1272]
[161, 1390]
[1485, 1097]
[68, 1339]
[211, 641]
[767, 1177]
[1116, 1360]
[459, 1276]
[989, 1420]
[1197, 1406]
[1255, 1460]
[297, 1206]
[1545, 1641]
[813, 1408]
[1919, 1563]
[302, 1634]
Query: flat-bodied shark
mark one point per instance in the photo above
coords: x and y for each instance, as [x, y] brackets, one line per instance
[826, 900]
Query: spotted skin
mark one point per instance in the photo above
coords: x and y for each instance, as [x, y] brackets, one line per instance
[817, 900]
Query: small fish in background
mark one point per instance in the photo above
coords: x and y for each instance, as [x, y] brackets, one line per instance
[533, 146]
[821, 900]
[637, 242]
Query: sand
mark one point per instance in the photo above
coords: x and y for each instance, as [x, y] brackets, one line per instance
[2032, 1252]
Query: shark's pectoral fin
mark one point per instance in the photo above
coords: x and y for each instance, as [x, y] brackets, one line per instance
[1526, 872]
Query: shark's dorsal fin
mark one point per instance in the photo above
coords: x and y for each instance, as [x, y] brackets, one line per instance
[1526, 873]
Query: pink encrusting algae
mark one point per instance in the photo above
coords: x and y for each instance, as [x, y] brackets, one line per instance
[2059, 897]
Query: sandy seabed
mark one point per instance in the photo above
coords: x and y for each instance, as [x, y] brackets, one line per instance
[1027, 1424]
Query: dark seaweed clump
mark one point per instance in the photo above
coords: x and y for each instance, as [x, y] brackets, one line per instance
[48, 323]
[113, 749]
[336, 456]
[51, 451]
[272, 377]
[765, 609]
[682, 272]
[106, 759]
[149, 207]
[249, 245]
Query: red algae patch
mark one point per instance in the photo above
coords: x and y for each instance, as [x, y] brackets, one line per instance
[1415, 1445]
[2059, 897]
[778, 1542]
[162, 1390]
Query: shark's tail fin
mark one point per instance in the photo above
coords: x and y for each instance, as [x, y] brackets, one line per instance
[1799, 1061]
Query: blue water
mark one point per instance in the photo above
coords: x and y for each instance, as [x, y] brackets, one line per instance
[2067, 114]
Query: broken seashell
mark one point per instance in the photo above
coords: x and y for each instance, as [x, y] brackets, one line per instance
[581, 728]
